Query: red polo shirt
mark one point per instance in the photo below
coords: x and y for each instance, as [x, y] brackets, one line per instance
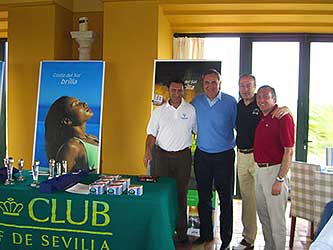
[272, 136]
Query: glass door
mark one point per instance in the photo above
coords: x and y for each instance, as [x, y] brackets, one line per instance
[225, 49]
[277, 64]
[320, 103]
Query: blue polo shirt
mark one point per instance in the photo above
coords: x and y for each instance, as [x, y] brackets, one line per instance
[216, 122]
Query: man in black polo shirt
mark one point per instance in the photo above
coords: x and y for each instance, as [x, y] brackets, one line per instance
[247, 120]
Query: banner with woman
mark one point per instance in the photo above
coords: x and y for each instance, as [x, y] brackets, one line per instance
[69, 114]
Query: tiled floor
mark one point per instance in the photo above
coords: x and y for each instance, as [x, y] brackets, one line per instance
[302, 240]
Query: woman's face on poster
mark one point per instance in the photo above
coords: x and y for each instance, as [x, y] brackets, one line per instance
[78, 111]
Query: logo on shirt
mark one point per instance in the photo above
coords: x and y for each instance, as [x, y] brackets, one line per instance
[184, 116]
[255, 111]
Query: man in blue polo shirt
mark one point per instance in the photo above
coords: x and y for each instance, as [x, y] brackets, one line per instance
[215, 156]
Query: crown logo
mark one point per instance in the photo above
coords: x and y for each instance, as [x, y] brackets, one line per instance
[11, 207]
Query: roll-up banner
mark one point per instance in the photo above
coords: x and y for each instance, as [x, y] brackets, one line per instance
[69, 114]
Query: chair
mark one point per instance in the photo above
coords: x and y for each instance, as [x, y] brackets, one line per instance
[323, 193]
[301, 194]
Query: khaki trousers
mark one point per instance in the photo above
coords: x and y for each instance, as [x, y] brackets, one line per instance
[246, 171]
[271, 208]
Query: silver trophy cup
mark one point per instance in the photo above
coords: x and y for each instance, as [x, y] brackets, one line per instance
[20, 167]
[35, 173]
[9, 164]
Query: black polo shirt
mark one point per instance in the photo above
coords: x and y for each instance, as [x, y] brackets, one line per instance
[247, 120]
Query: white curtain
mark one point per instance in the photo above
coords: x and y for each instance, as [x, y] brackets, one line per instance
[188, 48]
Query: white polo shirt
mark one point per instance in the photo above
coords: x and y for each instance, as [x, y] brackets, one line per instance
[173, 127]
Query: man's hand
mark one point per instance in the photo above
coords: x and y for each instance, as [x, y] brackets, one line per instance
[276, 188]
[150, 141]
[147, 157]
[280, 112]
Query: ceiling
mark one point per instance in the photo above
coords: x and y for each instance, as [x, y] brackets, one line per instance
[250, 16]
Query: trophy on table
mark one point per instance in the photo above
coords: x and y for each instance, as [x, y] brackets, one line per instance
[51, 168]
[35, 172]
[58, 167]
[9, 165]
[64, 166]
[20, 167]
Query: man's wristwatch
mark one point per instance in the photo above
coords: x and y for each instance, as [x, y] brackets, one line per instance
[279, 179]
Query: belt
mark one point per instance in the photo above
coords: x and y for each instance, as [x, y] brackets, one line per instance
[171, 153]
[246, 150]
[265, 165]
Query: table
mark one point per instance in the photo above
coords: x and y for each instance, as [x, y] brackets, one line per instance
[30, 219]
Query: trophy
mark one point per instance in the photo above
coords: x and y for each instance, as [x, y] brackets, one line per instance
[9, 180]
[58, 167]
[64, 166]
[35, 172]
[20, 167]
[9, 164]
[51, 168]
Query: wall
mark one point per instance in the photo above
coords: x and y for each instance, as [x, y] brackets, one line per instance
[165, 37]
[130, 47]
[63, 41]
[35, 33]
[27, 46]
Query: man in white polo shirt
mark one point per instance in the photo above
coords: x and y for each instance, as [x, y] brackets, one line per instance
[170, 127]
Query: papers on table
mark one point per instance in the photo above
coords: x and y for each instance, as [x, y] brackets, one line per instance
[78, 188]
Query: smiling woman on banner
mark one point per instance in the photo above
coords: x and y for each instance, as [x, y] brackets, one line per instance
[66, 137]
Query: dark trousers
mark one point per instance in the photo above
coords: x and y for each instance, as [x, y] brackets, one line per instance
[177, 165]
[217, 168]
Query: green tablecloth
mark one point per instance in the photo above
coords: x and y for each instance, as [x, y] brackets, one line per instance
[33, 220]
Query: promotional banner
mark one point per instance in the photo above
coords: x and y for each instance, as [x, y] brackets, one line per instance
[190, 71]
[69, 114]
[3, 129]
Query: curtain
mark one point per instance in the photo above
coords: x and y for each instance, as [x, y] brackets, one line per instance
[188, 48]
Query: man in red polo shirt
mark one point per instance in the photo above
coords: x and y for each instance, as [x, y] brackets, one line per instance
[273, 150]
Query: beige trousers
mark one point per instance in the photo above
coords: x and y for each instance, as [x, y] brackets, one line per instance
[246, 171]
[271, 208]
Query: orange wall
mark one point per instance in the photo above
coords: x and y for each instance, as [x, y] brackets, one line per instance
[165, 37]
[43, 37]
[27, 46]
[63, 41]
[130, 47]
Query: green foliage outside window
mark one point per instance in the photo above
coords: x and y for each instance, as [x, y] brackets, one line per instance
[320, 131]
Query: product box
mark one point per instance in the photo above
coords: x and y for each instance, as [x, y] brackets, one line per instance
[193, 214]
[127, 182]
[97, 188]
[104, 180]
[114, 189]
[110, 177]
[118, 182]
[135, 190]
